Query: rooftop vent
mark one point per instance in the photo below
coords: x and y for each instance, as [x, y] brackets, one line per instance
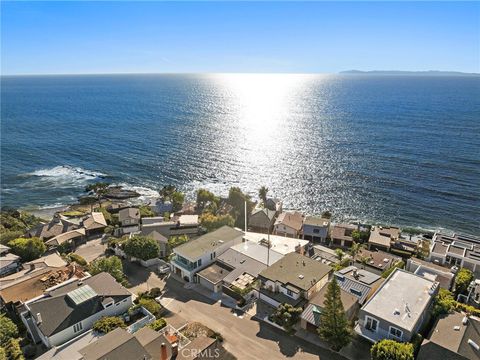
[396, 312]
[456, 328]
[39, 318]
[473, 344]
[386, 260]
[465, 320]
[301, 276]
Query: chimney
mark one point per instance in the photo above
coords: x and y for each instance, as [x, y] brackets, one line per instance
[163, 352]
[39, 318]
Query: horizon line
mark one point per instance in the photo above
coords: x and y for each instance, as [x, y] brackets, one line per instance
[343, 72]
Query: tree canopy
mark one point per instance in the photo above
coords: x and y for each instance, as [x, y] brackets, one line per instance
[142, 247]
[8, 329]
[27, 248]
[334, 326]
[443, 303]
[286, 315]
[112, 265]
[237, 199]
[14, 223]
[391, 350]
[462, 280]
[204, 197]
[212, 222]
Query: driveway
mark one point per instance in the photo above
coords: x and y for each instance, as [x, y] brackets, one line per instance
[245, 337]
[92, 250]
[141, 278]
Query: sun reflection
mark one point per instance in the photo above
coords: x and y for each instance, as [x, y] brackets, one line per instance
[263, 101]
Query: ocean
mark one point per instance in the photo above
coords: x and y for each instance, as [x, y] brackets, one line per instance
[400, 150]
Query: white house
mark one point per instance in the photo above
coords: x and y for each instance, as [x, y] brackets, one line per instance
[71, 308]
[195, 255]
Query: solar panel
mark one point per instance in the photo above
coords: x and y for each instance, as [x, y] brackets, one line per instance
[82, 294]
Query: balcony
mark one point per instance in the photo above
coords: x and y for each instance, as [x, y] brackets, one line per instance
[183, 263]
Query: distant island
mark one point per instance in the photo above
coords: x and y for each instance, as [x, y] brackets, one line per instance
[399, 72]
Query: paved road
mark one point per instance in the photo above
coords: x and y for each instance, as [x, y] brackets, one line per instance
[245, 337]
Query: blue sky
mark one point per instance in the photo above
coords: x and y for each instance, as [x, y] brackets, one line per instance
[117, 37]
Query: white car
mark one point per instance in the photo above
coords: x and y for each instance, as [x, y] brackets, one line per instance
[164, 269]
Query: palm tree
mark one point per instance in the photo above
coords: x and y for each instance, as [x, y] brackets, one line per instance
[339, 253]
[262, 194]
[355, 249]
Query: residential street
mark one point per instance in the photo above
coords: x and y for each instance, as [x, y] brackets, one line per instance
[245, 338]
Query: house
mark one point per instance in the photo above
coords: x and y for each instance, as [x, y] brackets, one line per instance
[9, 263]
[129, 219]
[145, 344]
[94, 224]
[195, 255]
[274, 204]
[376, 261]
[73, 237]
[294, 279]
[443, 275]
[473, 297]
[52, 261]
[178, 225]
[72, 308]
[261, 220]
[315, 229]
[159, 238]
[457, 250]
[238, 267]
[398, 309]
[281, 244]
[358, 282]
[342, 235]
[310, 317]
[382, 238]
[35, 283]
[455, 336]
[51, 229]
[288, 224]
[324, 254]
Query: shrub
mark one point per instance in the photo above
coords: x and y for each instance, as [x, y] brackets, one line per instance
[3, 354]
[286, 315]
[151, 305]
[28, 249]
[145, 211]
[142, 247]
[77, 258]
[109, 323]
[158, 324]
[391, 350]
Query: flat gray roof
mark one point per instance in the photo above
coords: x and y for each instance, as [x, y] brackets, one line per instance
[208, 242]
[258, 252]
[401, 299]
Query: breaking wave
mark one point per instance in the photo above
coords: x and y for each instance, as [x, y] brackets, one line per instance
[68, 172]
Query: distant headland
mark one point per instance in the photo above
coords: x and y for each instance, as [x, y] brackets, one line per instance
[400, 72]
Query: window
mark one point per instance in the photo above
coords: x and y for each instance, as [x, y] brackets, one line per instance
[396, 333]
[316, 231]
[200, 262]
[289, 292]
[108, 305]
[356, 292]
[371, 323]
[77, 327]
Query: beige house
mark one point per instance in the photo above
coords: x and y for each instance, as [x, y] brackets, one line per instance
[382, 238]
[294, 279]
[288, 224]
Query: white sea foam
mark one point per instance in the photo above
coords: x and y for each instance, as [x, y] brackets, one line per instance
[66, 171]
[145, 192]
